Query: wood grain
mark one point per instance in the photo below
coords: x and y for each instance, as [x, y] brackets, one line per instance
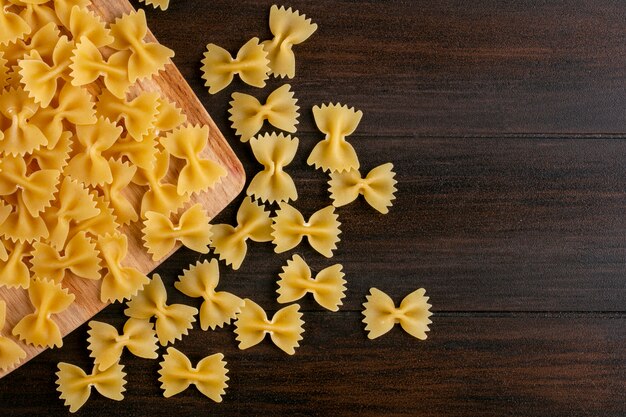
[171, 85]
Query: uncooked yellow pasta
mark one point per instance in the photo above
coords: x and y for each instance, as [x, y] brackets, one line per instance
[75, 385]
[378, 187]
[10, 352]
[79, 256]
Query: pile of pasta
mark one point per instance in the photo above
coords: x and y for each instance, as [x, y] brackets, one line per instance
[83, 155]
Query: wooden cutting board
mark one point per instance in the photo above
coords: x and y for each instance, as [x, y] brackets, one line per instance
[171, 84]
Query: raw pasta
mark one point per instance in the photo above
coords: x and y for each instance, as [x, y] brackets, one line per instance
[162, 4]
[289, 28]
[122, 174]
[106, 344]
[327, 287]
[334, 153]
[218, 307]
[322, 229]
[14, 271]
[79, 256]
[172, 321]
[139, 114]
[219, 68]
[285, 328]
[75, 385]
[253, 223]
[209, 376]
[18, 135]
[378, 187]
[274, 152]
[10, 352]
[12, 26]
[248, 114]
[381, 314]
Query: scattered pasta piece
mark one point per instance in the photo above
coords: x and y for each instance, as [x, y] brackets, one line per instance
[274, 152]
[172, 321]
[12, 26]
[139, 114]
[75, 385]
[106, 344]
[381, 314]
[162, 4]
[14, 271]
[200, 281]
[334, 153]
[146, 58]
[248, 114]
[140, 153]
[169, 117]
[285, 328]
[192, 230]
[10, 352]
[209, 376]
[101, 225]
[327, 287]
[55, 157]
[21, 226]
[38, 328]
[37, 14]
[18, 136]
[253, 223]
[378, 187]
[122, 174]
[198, 174]
[120, 282]
[322, 229]
[84, 22]
[79, 256]
[289, 28]
[219, 68]
[63, 9]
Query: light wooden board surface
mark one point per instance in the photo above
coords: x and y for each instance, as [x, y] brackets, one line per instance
[171, 84]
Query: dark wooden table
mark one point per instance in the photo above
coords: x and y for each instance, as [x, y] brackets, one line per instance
[506, 123]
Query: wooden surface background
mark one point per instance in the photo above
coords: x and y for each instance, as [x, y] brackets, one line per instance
[506, 123]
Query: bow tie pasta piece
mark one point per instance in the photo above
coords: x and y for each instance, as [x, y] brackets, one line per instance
[88, 65]
[322, 229]
[55, 157]
[36, 189]
[21, 226]
[146, 59]
[10, 352]
[200, 281]
[37, 15]
[75, 385]
[327, 287]
[209, 376]
[285, 328]
[43, 41]
[119, 282]
[139, 114]
[40, 79]
[161, 197]
[248, 114]
[172, 321]
[381, 314]
[84, 22]
[334, 153]
[289, 28]
[101, 225]
[122, 174]
[63, 9]
[162, 4]
[12, 26]
[253, 223]
[38, 328]
[18, 136]
[192, 230]
[141, 153]
[76, 204]
[378, 187]
[169, 117]
[106, 344]
[219, 68]
[79, 257]
[274, 152]
[88, 165]
[14, 271]
[197, 174]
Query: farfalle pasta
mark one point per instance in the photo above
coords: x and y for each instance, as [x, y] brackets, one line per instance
[79, 257]
[162, 4]
[289, 28]
[18, 136]
[274, 152]
[169, 117]
[75, 385]
[381, 314]
[328, 286]
[21, 226]
[378, 187]
[63, 9]
[122, 174]
[139, 114]
[192, 230]
[106, 344]
[42, 40]
[253, 223]
[55, 157]
[209, 376]
[321, 230]
[14, 272]
[10, 352]
[12, 26]
[141, 153]
[334, 153]
[197, 174]
[85, 23]
[103, 224]
[218, 307]
[38, 328]
[285, 328]
[248, 114]
[219, 68]
[172, 321]
[37, 14]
